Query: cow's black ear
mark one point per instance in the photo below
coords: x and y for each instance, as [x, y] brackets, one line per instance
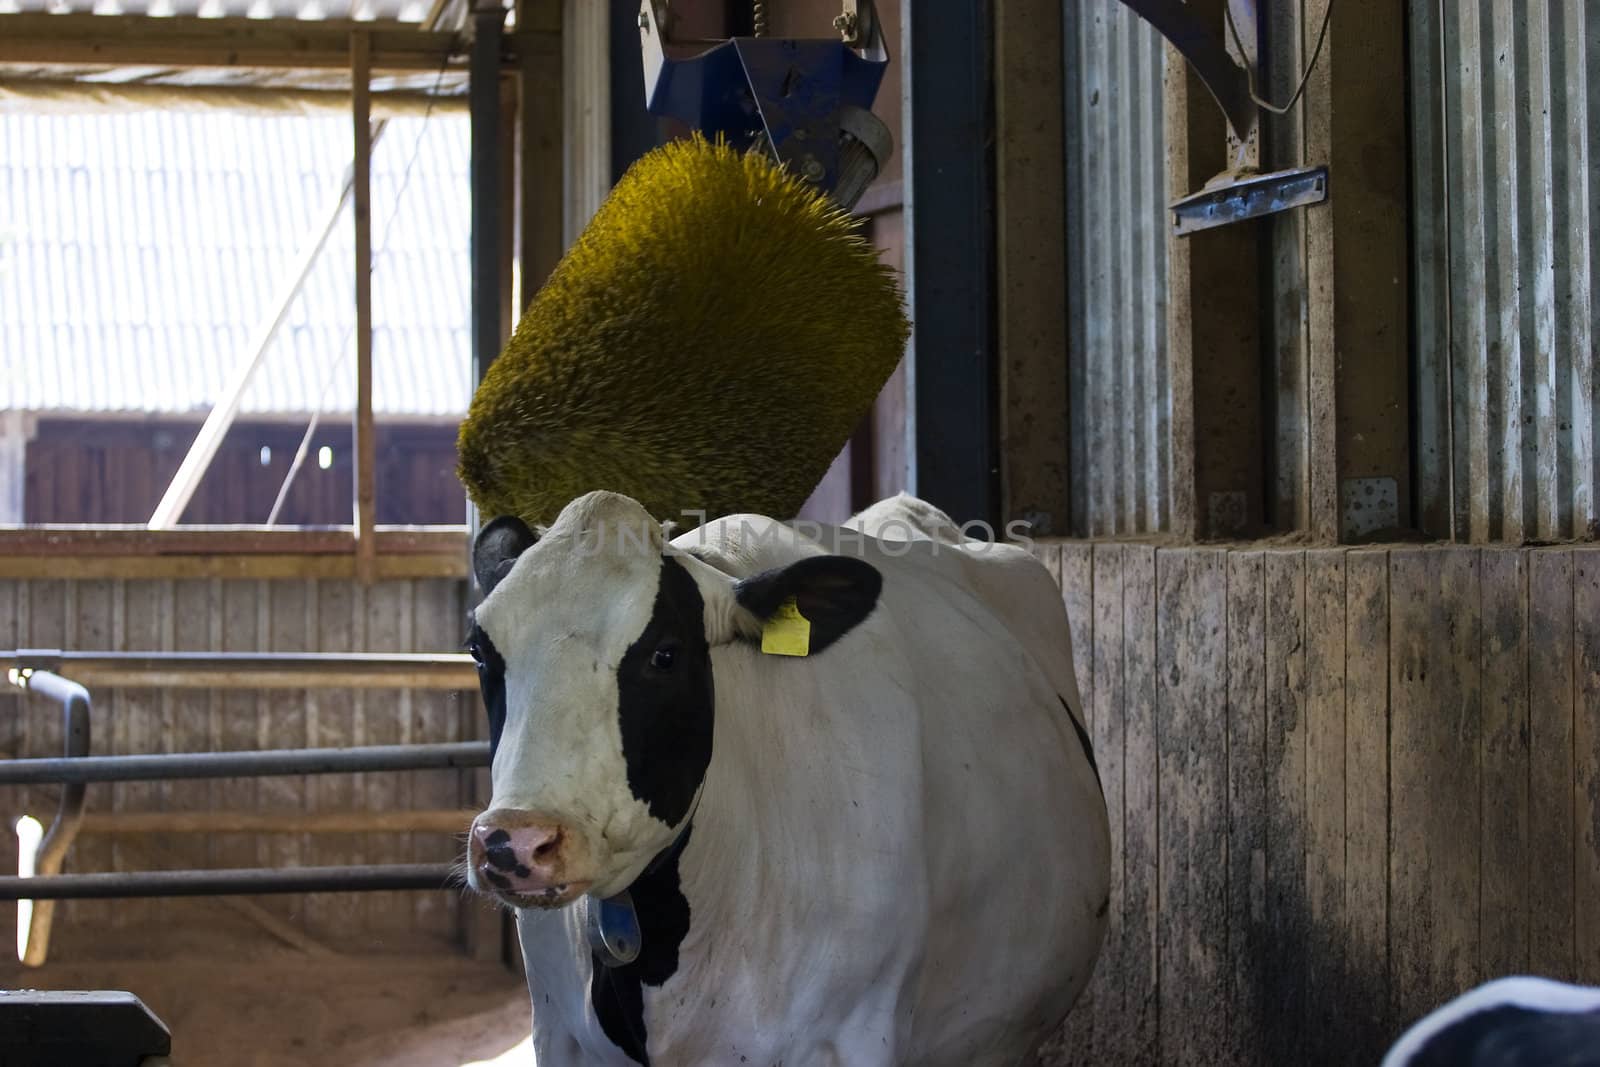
[834, 593]
[496, 549]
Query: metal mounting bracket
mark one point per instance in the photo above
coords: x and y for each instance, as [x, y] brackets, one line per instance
[1234, 197]
[1242, 192]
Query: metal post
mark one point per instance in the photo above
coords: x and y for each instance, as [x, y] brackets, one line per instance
[262, 763]
[75, 708]
[250, 670]
[950, 255]
[488, 19]
[365, 503]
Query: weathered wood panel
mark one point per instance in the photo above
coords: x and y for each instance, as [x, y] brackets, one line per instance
[96, 470]
[1552, 936]
[1366, 689]
[1325, 807]
[1586, 751]
[1191, 677]
[1285, 763]
[1249, 937]
[1435, 745]
[241, 615]
[1503, 911]
[1140, 808]
[1356, 781]
[1102, 663]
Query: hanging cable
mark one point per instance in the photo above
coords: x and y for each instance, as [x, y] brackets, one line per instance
[1249, 69]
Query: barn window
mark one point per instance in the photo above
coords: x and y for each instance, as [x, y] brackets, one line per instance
[154, 256]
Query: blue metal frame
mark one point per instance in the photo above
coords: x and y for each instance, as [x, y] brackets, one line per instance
[787, 91]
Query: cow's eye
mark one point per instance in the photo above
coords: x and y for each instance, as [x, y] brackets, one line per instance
[475, 650]
[663, 658]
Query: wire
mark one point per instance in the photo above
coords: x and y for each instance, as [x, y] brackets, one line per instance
[1249, 70]
[344, 352]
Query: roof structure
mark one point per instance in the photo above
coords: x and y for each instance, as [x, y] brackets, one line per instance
[140, 251]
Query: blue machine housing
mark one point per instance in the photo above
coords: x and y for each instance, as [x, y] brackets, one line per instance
[787, 92]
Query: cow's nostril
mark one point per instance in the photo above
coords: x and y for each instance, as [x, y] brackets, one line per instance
[547, 849]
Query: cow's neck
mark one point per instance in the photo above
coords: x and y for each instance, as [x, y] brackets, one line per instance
[613, 925]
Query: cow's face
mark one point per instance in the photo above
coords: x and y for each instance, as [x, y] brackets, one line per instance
[594, 650]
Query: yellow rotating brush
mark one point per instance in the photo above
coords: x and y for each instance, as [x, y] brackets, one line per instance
[709, 343]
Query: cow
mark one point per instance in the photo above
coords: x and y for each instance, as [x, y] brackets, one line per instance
[765, 795]
[1519, 1021]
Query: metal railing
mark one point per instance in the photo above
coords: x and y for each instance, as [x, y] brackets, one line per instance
[35, 670]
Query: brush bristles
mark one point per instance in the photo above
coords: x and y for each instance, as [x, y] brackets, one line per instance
[709, 343]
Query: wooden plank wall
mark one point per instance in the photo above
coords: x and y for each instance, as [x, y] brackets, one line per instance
[1344, 784]
[213, 614]
[103, 470]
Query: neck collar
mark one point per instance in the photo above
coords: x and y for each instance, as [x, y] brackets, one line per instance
[612, 923]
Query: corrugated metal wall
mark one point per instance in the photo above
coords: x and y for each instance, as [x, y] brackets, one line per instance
[1116, 270]
[1505, 117]
[212, 614]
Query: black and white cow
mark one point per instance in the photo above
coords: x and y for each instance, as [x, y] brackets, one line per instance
[891, 849]
[1509, 1022]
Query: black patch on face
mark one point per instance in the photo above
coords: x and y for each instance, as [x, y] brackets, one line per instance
[617, 993]
[491, 683]
[1511, 1036]
[666, 714]
[1083, 739]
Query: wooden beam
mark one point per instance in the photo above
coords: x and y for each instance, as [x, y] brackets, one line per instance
[64, 96]
[70, 540]
[366, 498]
[1356, 265]
[79, 40]
[1030, 242]
[1213, 328]
[539, 146]
[256, 566]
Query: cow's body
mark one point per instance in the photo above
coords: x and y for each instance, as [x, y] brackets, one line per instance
[900, 850]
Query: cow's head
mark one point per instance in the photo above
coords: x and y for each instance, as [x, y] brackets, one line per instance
[594, 644]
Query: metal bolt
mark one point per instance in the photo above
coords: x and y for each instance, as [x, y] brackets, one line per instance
[644, 21]
[812, 169]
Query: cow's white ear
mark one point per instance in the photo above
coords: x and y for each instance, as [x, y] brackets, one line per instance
[833, 594]
[496, 548]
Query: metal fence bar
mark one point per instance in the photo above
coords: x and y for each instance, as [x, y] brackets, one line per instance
[248, 881]
[252, 670]
[170, 767]
[76, 710]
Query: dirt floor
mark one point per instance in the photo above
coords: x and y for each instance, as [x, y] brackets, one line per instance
[239, 997]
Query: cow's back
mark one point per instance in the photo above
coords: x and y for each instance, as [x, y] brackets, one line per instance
[1014, 844]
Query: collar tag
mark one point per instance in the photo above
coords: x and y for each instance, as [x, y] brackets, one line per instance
[787, 633]
[613, 928]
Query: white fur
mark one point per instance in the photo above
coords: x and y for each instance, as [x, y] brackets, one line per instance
[900, 849]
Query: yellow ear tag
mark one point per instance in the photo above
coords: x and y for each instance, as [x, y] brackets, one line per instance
[787, 633]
